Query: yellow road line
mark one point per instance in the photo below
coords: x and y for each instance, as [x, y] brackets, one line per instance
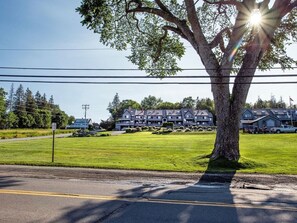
[147, 200]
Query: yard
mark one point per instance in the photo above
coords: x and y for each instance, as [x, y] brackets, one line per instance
[184, 152]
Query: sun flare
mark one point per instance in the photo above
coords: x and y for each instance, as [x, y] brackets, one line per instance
[255, 17]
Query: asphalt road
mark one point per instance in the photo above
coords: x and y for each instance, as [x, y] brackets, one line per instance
[39, 198]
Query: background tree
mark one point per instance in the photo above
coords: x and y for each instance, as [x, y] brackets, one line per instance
[223, 35]
[169, 105]
[150, 102]
[38, 100]
[188, 102]
[2, 108]
[127, 104]
[19, 108]
[113, 107]
[10, 98]
[71, 119]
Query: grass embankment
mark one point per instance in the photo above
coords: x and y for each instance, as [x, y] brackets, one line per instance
[268, 153]
[23, 133]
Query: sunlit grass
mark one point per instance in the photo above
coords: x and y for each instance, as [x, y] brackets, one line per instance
[23, 133]
[269, 153]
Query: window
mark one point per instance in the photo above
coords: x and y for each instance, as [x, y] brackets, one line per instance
[126, 116]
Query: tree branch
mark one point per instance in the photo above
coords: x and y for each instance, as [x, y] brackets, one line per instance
[218, 40]
[159, 49]
[230, 2]
[163, 7]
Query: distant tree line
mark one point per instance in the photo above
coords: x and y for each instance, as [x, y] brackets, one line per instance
[21, 109]
[117, 107]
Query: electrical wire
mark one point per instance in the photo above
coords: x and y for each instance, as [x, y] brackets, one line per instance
[119, 69]
[143, 83]
[136, 77]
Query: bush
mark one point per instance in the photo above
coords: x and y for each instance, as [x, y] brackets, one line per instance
[151, 128]
[138, 129]
[145, 128]
[131, 130]
[168, 125]
[188, 130]
[104, 134]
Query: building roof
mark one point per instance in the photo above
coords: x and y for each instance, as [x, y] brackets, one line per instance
[173, 112]
[154, 112]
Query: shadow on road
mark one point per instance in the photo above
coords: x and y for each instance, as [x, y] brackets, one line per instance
[8, 182]
[208, 200]
[153, 210]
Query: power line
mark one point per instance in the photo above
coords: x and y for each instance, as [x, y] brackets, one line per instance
[78, 49]
[136, 77]
[142, 83]
[121, 69]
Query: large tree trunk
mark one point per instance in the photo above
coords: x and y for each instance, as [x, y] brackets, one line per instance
[227, 138]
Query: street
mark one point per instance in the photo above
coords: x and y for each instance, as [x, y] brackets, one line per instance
[47, 198]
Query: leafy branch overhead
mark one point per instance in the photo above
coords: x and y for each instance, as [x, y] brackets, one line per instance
[152, 29]
[229, 36]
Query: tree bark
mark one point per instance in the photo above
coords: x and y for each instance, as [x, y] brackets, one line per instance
[227, 137]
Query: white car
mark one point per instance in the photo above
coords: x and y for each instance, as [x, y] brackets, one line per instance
[284, 129]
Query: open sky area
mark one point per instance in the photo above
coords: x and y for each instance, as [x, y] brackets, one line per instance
[55, 25]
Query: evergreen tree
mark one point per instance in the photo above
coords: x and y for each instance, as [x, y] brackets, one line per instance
[2, 108]
[113, 107]
[44, 103]
[51, 102]
[38, 100]
[10, 100]
[19, 108]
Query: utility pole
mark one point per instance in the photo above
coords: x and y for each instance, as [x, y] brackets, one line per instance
[290, 99]
[86, 107]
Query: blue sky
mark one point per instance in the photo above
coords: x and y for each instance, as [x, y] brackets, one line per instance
[54, 24]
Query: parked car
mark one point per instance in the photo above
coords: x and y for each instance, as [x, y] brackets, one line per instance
[284, 129]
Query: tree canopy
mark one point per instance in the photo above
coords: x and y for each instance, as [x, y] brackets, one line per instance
[24, 110]
[225, 38]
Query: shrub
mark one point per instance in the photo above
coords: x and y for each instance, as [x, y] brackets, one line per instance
[168, 125]
[187, 130]
[105, 134]
[131, 130]
[145, 128]
[138, 129]
[151, 128]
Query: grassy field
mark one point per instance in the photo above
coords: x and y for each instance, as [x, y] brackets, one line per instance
[263, 153]
[23, 133]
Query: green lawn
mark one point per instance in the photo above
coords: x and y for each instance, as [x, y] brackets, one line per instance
[271, 153]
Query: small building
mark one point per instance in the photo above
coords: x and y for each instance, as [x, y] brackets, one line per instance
[261, 123]
[80, 124]
[268, 117]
